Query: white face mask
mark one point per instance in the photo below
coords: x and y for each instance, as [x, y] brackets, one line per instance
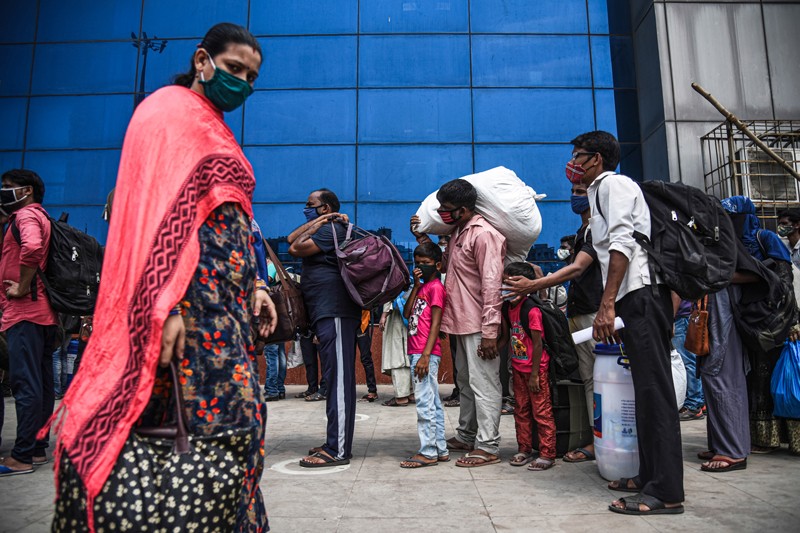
[562, 254]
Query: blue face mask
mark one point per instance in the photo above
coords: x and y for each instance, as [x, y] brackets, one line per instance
[310, 213]
[579, 203]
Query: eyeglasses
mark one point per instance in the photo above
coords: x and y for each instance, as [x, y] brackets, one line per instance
[578, 154]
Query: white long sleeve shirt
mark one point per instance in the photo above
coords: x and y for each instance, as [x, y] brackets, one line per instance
[624, 211]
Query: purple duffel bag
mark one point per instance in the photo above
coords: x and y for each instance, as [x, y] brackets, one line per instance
[372, 269]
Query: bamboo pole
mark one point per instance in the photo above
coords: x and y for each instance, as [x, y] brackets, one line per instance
[744, 129]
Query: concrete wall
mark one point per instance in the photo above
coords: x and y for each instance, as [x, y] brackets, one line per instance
[747, 54]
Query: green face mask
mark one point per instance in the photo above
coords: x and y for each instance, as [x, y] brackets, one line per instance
[785, 231]
[226, 91]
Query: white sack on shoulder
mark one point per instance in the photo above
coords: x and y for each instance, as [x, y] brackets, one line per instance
[507, 204]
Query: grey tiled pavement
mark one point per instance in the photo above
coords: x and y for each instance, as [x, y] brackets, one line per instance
[374, 494]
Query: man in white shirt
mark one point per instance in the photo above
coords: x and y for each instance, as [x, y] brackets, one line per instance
[631, 291]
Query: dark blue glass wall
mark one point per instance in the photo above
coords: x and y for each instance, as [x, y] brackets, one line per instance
[378, 100]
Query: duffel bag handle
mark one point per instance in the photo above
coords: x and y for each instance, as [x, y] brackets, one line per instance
[281, 272]
[178, 433]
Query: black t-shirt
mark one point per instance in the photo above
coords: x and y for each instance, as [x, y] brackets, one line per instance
[323, 289]
[586, 290]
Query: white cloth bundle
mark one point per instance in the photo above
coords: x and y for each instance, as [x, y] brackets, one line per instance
[504, 201]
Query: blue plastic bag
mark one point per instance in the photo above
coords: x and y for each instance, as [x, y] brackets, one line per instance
[785, 384]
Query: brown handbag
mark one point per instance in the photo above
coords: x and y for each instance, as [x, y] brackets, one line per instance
[697, 331]
[288, 300]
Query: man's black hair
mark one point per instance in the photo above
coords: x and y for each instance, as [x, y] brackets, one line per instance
[27, 178]
[570, 239]
[429, 250]
[520, 269]
[792, 214]
[458, 192]
[329, 197]
[599, 142]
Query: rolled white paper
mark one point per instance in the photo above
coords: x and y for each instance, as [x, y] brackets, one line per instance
[585, 335]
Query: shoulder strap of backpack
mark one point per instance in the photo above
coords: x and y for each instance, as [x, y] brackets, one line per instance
[761, 244]
[524, 313]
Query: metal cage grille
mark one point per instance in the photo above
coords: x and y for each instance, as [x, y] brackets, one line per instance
[734, 165]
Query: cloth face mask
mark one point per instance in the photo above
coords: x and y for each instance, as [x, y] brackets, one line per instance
[226, 91]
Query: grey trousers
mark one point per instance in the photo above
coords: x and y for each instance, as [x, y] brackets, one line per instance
[481, 396]
[401, 380]
[724, 375]
[585, 359]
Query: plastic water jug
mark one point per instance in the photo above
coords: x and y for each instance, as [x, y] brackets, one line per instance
[72, 354]
[615, 444]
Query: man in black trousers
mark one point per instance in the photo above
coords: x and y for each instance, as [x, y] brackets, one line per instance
[618, 210]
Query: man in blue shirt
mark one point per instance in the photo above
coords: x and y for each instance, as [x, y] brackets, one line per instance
[334, 318]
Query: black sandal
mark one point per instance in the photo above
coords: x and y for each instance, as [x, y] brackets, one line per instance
[622, 485]
[329, 461]
[655, 506]
[370, 396]
[316, 397]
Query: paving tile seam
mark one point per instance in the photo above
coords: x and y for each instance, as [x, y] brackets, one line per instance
[356, 477]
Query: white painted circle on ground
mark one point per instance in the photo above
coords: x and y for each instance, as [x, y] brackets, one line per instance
[359, 417]
[284, 468]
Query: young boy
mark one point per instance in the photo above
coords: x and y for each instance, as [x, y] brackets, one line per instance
[423, 310]
[530, 362]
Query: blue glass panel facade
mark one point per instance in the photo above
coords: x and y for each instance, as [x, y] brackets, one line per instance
[532, 115]
[18, 23]
[82, 122]
[12, 134]
[87, 20]
[530, 61]
[15, 68]
[190, 18]
[303, 17]
[414, 115]
[408, 172]
[94, 170]
[294, 117]
[63, 69]
[308, 62]
[288, 173]
[526, 16]
[402, 16]
[380, 100]
[439, 61]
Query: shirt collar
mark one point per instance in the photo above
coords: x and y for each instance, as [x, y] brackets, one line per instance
[598, 179]
[476, 221]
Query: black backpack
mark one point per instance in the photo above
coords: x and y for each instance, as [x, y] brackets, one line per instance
[72, 275]
[557, 338]
[692, 244]
[766, 312]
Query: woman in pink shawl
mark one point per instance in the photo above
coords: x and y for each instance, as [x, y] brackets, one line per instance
[179, 280]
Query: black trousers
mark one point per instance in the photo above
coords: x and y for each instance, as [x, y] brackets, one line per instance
[30, 348]
[648, 328]
[310, 361]
[364, 342]
[337, 350]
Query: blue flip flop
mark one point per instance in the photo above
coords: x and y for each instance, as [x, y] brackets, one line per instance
[6, 471]
[587, 456]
